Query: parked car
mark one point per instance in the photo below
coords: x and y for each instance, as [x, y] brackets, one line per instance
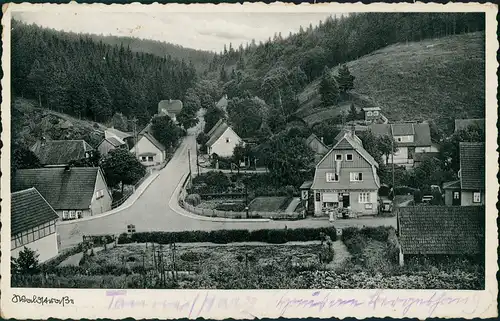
[385, 205]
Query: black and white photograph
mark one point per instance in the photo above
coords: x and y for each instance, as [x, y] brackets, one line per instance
[231, 149]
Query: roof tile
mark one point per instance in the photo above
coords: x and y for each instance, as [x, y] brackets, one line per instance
[28, 210]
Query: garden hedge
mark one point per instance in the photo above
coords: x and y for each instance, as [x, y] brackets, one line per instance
[273, 236]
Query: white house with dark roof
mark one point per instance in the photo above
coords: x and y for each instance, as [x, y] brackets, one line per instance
[149, 150]
[223, 139]
[410, 138]
[469, 189]
[317, 145]
[346, 177]
[33, 224]
[59, 153]
[110, 143]
[73, 192]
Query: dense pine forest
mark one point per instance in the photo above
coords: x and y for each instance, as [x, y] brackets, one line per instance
[293, 61]
[95, 77]
[81, 77]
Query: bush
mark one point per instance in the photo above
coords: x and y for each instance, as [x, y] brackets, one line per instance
[193, 199]
[235, 207]
[275, 236]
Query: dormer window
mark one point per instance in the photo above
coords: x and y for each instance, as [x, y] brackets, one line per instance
[338, 157]
[348, 157]
[332, 177]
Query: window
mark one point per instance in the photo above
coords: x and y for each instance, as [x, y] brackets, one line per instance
[79, 214]
[318, 197]
[356, 177]
[25, 238]
[364, 197]
[338, 157]
[72, 214]
[150, 158]
[12, 243]
[99, 194]
[477, 197]
[368, 113]
[65, 215]
[456, 195]
[46, 230]
[143, 158]
[30, 237]
[52, 228]
[375, 113]
[227, 140]
[332, 177]
[348, 157]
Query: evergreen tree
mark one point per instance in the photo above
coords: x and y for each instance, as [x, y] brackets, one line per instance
[328, 89]
[344, 79]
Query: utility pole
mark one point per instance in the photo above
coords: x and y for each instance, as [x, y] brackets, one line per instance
[134, 122]
[392, 148]
[189, 163]
[197, 162]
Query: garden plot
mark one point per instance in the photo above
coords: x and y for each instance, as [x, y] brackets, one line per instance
[269, 204]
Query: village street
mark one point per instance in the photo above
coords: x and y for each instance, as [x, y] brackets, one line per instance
[155, 210]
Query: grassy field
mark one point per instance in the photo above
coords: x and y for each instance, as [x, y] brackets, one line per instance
[439, 79]
[268, 204]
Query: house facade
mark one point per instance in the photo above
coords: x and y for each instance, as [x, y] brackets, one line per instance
[109, 144]
[372, 114]
[223, 140]
[469, 190]
[410, 138]
[33, 225]
[59, 153]
[346, 177]
[73, 193]
[149, 150]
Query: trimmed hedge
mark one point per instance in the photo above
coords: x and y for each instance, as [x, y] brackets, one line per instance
[275, 236]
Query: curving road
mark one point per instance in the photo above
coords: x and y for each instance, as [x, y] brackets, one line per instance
[157, 210]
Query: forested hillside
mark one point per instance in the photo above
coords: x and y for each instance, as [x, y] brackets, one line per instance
[93, 80]
[199, 58]
[279, 69]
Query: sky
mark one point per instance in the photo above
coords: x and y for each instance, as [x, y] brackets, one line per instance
[198, 30]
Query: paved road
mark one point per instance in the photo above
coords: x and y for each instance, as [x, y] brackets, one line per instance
[157, 210]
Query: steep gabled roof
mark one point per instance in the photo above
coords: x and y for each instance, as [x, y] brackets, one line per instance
[110, 132]
[222, 103]
[315, 138]
[217, 124]
[441, 230]
[219, 131]
[472, 166]
[114, 141]
[464, 123]
[350, 141]
[60, 152]
[154, 141]
[28, 210]
[63, 189]
[421, 132]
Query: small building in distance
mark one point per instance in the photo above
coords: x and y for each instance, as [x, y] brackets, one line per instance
[123, 136]
[371, 114]
[317, 145]
[410, 138]
[73, 192]
[110, 143]
[465, 123]
[441, 231]
[223, 140]
[346, 177]
[470, 188]
[148, 150]
[33, 224]
[170, 108]
[222, 103]
[59, 153]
